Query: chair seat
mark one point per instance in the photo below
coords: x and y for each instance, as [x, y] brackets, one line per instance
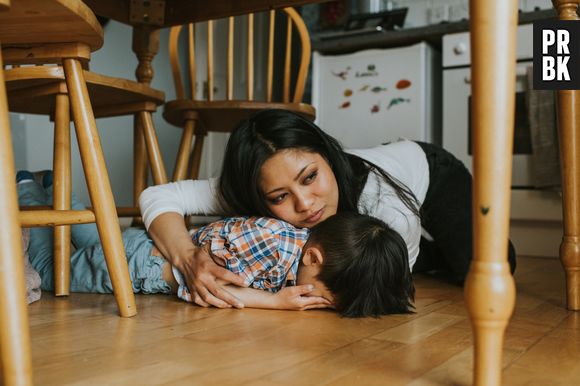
[224, 116]
[31, 90]
[58, 21]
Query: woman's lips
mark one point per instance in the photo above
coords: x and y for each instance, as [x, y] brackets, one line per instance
[315, 217]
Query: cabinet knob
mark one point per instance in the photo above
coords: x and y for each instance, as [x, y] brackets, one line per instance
[459, 48]
[467, 79]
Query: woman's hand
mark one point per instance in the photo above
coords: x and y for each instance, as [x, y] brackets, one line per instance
[205, 279]
[295, 298]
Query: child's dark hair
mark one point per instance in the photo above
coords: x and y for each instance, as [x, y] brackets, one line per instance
[365, 265]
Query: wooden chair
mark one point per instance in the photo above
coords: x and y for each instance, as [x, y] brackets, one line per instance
[65, 32]
[35, 90]
[198, 117]
[15, 355]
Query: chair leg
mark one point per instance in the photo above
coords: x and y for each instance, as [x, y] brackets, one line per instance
[196, 156]
[140, 162]
[490, 288]
[62, 194]
[568, 124]
[180, 171]
[153, 151]
[99, 187]
[15, 355]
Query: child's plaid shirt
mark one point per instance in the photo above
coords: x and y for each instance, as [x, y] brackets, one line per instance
[265, 251]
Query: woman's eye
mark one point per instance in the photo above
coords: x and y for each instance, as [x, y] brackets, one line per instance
[278, 199]
[311, 177]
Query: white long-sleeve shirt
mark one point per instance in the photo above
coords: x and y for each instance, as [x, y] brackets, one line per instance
[403, 160]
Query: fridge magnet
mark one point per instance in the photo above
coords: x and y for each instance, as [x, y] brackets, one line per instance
[378, 89]
[371, 71]
[376, 108]
[396, 101]
[403, 84]
[347, 92]
[345, 105]
[364, 88]
[342, 74]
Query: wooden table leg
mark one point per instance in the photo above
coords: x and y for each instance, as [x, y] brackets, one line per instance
[490, 288]
[569, 133]
[145, 46]
[99, 187]
[14, 331]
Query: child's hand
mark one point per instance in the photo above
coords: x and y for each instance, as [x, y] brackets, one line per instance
[295, 298]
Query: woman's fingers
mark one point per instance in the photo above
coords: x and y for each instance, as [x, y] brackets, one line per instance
[223, 275]
[199, 301]
[220, 275]
[212, 293]
[220, 295]
[227, 297]
[206, 294]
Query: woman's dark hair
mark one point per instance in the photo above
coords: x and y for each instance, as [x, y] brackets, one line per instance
[365, 266]
[269, 131]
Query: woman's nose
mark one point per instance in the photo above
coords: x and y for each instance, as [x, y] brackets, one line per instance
[304, 202]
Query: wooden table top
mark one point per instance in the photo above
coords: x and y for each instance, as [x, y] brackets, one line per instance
[166, 13]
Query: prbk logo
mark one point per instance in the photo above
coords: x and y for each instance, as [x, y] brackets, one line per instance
[557, 55]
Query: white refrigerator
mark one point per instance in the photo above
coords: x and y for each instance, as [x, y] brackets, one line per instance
[380, 95]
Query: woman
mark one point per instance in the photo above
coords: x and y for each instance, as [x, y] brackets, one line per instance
[281, 165]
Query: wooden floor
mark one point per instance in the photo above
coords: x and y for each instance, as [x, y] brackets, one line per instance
[80, 341]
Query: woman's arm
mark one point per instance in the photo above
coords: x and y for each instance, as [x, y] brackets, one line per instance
[163, 208]
[186, 197]
[288, 298]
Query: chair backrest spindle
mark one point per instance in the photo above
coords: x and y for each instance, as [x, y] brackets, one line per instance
[287, 62]
[210, 60]
[251, 56]
[191, 57]
[174, 61]
[270, 70]
[306, 53]
[230, 63]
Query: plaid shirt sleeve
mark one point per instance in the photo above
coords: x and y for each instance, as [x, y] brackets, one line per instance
[266, 252]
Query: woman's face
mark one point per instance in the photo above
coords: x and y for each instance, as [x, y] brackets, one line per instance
[300, 187]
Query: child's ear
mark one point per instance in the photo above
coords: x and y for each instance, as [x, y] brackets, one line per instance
[312, 256]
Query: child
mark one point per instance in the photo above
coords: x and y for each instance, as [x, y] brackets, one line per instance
[356, 262]
[348, 259]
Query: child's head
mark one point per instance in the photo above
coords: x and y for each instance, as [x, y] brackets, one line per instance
[360, 264]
